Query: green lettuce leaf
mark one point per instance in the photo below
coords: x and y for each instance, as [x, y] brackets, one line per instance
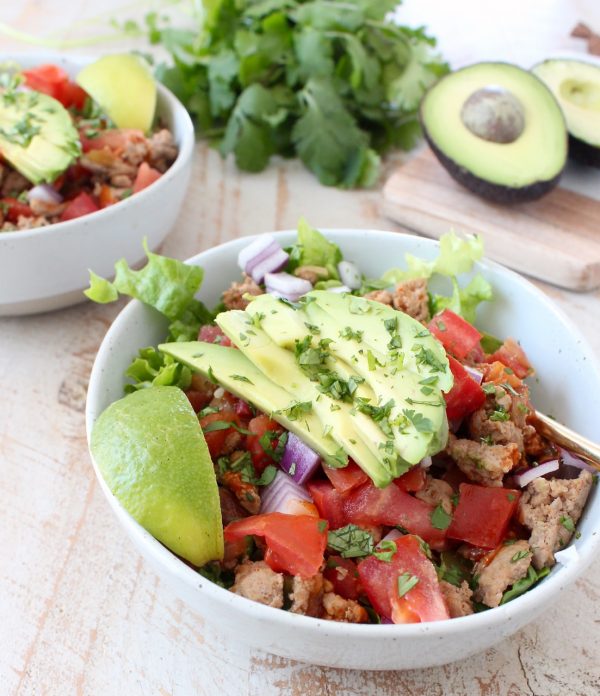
[101, 290]
[464, 301]
[312, 249]
[155, 369]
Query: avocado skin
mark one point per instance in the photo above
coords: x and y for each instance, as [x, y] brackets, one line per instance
[583, 152]
[485, 189]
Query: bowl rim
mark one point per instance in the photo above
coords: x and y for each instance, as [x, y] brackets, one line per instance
[166, 99]
[534, 600]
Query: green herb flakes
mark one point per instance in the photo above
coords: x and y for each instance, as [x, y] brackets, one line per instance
[350, 541]
[406, 582]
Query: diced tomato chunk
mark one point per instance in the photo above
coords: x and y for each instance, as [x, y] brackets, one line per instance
[146, 175]
[513, 356]
[456, 335]
[329, 502]
[499, 373]
[106, 196]
[14, 209]
[342, 573]
[483, 514]
[71, 94]
[81, 205]
[465, 396]
[215, 439]
[47, 78]
[197, 399]
[213, 334]
[243, 409]
[392, 507]
[346, 478]
[422, 602]
[296, 543]
[413, 480]
[262, 426]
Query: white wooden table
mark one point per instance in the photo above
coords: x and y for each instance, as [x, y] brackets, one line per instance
[80, 613]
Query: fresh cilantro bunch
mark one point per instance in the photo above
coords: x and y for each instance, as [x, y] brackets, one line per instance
[333, 82]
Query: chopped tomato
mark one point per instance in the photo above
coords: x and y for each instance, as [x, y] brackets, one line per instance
[146, 175]
[465, 396]
[498, 373]
[342, 573]
[243, 409]
[197, 399]
[346, 478]
[384, 581]
[262, 427]
[81, 205]
[296, 543]
[482, 515]
[456, 335]
[14, 209]
[215, 439]
[329, 502]
[513, 356]
[106, 196]
[114, 139]
[392, 507]
[213, 334]
[48, 79]
[413, 480]
[70, 94]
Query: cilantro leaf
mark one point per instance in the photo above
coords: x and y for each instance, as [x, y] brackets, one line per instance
[350, 541]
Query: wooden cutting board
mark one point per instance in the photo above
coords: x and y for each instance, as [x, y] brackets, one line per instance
[556, 238]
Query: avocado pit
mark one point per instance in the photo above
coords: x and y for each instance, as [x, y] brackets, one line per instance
[494, 114]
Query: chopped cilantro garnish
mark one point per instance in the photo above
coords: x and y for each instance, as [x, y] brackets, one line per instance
[419, 421]
[406, 582]
[567, 523]
[241, 378]
[440, 519]
[385, 550]
[500, 414]
[519, 555]
[524, 584]
[350, 541]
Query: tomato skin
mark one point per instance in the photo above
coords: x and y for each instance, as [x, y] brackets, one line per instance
[258, 427]
[197, 399]
[483, 514]
[82, 204]
[243, 409]
[15, 209]
[296, 543]
[424, 602]
[145, 176]
[513, 356]
[47, 78]
[213, 334]
[346, 478]
[465, 396]
[114, 139]
[413, 480]
[329, 502]
[70, 94]
[499, 373]
[456, 335]
[342, 573]
[392, 507]
[215, 439]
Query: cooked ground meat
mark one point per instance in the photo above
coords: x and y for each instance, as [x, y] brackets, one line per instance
[546, 507]
[246, 493]
[256, 581]
[306, 595]
[312, 273]
[163, 150]
[105, 164]
[337, 608]
[534, 443]
[508, 565]
[411, 298]
[437, 492]
[230, 508]
[13, 183]
[383, 296]
[458, 599]
[233, 298]
[483, 463]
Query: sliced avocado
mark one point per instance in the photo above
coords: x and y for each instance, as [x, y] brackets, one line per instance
[353, 431]
[37, 135]
[232, 370]
[576, 86]
[498, 131]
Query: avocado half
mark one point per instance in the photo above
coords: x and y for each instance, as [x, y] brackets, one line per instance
[576, 86]
[498, 131]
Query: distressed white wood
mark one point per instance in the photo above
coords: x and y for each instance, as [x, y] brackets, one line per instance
[79, 611]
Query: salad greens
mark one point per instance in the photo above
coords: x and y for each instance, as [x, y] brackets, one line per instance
[335, 83]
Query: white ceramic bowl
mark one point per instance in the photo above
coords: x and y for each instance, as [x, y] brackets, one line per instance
[47, 268]
[568, 386]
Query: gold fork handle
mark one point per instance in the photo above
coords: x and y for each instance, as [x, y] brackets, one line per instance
[567, 438]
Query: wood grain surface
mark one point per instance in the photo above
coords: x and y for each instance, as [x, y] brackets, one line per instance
[80, 612]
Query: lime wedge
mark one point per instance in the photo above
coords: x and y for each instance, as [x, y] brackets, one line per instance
[124, 87]
[153, 456]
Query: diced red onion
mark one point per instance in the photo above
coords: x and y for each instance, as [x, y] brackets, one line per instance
[392, 535]
[571, 459]
[299, 460]
[426, 462]
[282, 494]
[475, 374]
[258, 250]
[275, 262]
[535, 472]
[288, 286]
[567, 556]
[339, 289]
[349, 274]
[45, 194]
[385, 620]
